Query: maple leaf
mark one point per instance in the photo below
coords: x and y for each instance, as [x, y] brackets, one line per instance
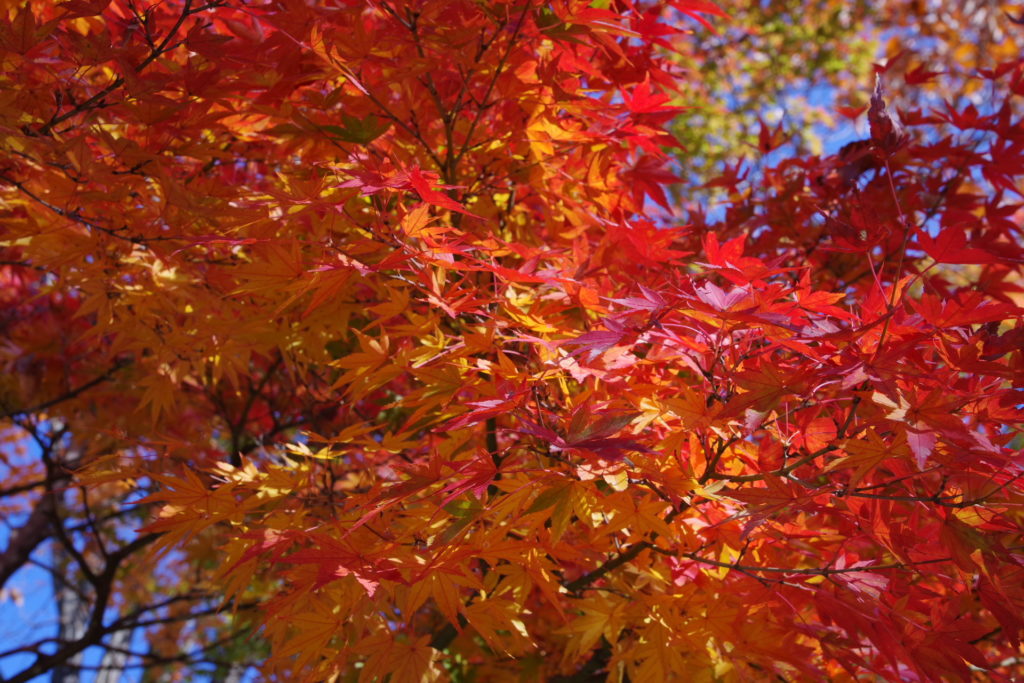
[694, 9]
[588, 434]
[362, 131]
[777, 495]
[408, 661]
[864, 455]
[335, 560]
[601, 617]
[493, 618]
[424, 183]
[647, 176]
[473, 477]
[488, 408]
[596, 342]
[950, 246]
[887, 132]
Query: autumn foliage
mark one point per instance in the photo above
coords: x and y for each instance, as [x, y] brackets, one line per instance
[392, 340]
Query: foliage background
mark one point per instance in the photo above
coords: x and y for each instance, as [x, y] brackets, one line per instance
[162, 404]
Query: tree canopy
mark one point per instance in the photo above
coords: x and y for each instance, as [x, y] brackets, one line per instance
[416, 340]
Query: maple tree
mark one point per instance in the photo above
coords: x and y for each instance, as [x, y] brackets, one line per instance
[363, 341]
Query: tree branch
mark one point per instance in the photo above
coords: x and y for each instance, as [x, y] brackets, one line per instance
[26, 538]
[66, 396]
[95, 629]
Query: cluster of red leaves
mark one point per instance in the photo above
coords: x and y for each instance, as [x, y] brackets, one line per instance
[542, 434]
